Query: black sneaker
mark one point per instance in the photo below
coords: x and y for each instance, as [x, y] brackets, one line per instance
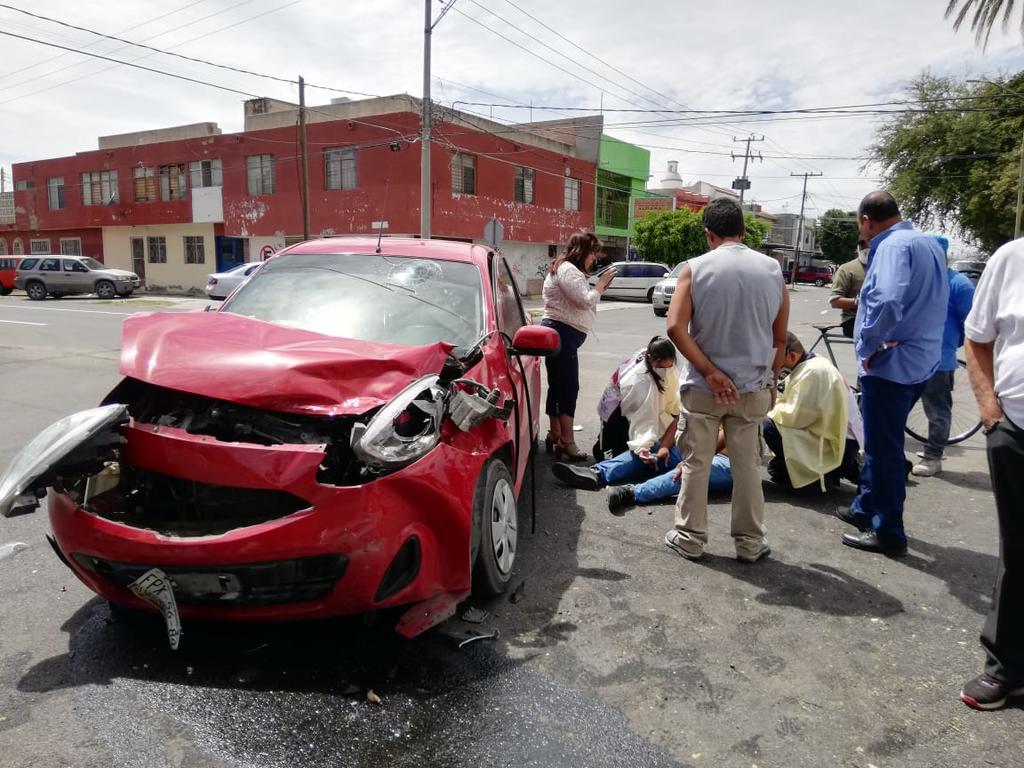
[620, 498]
[584, 478]
[987, 693]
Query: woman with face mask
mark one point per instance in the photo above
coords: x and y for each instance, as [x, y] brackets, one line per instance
[846, 287]
[645, 391]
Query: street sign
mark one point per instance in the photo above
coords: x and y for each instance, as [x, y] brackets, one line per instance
[741, 183]
[494, 233]
[378, 225]
[266, 252]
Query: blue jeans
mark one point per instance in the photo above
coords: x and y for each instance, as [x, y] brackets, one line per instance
[666, 486]
[937, 401]
[563, 370]
[628, 466]
[883, 480]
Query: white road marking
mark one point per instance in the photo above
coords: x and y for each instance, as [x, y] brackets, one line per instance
[65, 309]
[20, 322]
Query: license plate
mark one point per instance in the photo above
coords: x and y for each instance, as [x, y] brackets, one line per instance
[155, 588]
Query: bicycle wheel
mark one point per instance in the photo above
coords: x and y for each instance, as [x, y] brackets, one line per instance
[963, 421]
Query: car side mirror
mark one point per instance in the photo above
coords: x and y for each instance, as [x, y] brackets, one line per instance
[537, 341]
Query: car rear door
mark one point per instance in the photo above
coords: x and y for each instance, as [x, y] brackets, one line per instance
[53, 276]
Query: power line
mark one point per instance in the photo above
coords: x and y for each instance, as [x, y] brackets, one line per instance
[179, 55]
[126, 29]
[126, 63]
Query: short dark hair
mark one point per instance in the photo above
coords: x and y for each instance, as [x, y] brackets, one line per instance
[724, 217]
[879, 206]
[793, 344]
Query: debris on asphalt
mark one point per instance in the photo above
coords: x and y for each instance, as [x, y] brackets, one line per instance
[475, 615]
[517, 593]
[373, 698]
[11, 548]
[474, 636]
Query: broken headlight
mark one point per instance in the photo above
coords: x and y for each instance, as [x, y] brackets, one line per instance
[405, 429]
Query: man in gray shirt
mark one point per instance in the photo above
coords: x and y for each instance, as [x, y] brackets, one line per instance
[728, 318]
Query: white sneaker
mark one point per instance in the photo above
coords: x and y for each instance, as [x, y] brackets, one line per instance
[920, 454]
[927, 468]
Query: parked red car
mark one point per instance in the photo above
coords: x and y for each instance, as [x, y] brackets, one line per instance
[8, 266]
[809, 273]
[348, 432]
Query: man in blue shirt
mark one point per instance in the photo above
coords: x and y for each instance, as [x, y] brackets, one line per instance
[898, 341]
[937, 397]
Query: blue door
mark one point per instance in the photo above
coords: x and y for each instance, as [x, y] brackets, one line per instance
[230, 252]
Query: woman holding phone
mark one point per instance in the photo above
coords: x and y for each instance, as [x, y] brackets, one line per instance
[570, 308]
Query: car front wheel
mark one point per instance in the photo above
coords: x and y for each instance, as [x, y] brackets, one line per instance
[495, 529]
[36, 290]
[819, 282]
[105, 289]
[5, 291]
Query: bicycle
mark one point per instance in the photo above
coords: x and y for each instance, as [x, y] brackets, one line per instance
[964, 421]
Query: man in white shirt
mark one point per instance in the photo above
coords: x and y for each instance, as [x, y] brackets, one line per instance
[995, 363]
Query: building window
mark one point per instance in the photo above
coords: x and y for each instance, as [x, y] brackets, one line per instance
[340, 168]
[39, 246]
[144, 184]
[157, 249]
[195, 249]
[524, 185]
[463, 174]
[17, 247]
[71, 246]
[20, 186]
[3, 246]
[100, 188]
[55, 193]
[260, 169]
[206, 173]
[172, 182]
[572, 194]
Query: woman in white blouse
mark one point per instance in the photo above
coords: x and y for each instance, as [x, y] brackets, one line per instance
[570, 307]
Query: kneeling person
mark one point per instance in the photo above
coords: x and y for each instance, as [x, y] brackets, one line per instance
[809, 429]
[649, 394]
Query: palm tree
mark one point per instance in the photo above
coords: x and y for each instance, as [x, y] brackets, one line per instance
[984, 16]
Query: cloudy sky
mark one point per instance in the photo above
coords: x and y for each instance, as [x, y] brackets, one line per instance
[646, 54]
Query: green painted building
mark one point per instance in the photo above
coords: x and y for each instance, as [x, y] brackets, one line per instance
[622, 172]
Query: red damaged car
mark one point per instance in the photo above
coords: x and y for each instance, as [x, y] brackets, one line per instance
[348, 432]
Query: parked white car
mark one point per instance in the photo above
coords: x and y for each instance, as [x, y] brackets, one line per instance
[633, 279]
[219, 285]
[664, 289]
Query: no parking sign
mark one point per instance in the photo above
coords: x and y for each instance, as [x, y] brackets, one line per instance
[266, 252]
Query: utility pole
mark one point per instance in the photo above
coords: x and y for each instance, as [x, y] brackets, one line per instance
[304, 162]
[800, 226]
[425, 128]
[743, 183]
[3, 188]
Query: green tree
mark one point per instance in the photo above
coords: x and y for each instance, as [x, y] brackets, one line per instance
[673, 236]
[837, 235]
[986, 14]
[952, 161]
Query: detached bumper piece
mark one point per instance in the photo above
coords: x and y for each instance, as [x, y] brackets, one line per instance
[268, 583]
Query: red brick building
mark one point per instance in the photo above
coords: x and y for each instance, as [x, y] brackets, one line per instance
[179, 203]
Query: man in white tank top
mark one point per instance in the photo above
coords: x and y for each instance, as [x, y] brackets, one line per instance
[728, 318]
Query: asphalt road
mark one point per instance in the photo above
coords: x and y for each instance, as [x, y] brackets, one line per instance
[619, 653]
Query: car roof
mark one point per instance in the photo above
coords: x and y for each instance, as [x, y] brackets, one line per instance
[446, 250]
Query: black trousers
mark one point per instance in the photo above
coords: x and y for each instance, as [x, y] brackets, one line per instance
[777, 466]
[848, 327]
[1003, 633]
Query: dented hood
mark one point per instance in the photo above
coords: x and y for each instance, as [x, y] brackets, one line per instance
[268, 366]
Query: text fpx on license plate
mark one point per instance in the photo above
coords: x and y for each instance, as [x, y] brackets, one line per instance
[155, 588]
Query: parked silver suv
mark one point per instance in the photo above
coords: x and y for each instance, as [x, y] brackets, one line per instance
[40, 276]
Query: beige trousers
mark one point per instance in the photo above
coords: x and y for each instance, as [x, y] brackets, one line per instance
[742, 425]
